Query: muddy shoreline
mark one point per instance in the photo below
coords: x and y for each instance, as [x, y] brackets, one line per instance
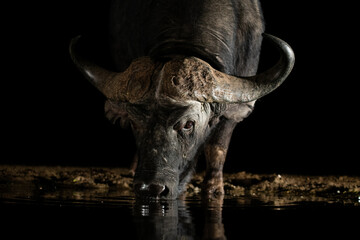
[82, 182]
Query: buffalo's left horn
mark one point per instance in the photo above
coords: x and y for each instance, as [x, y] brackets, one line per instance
[114, 85]
[245, 89]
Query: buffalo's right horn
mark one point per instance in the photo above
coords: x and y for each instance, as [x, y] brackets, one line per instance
[128, 86]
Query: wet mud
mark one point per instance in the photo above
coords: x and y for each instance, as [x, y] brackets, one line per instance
[88, 182]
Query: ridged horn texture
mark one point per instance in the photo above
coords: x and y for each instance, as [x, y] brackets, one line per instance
[128, 86]
[245, 89]
[193, 78]
[186, 78]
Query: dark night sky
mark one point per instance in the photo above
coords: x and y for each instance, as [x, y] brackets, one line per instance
[52, 115]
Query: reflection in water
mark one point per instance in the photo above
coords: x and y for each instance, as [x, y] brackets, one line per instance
[115, 211]
[214, 228]
[173, 220]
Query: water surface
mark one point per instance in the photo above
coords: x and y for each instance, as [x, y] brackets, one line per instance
[47, 211]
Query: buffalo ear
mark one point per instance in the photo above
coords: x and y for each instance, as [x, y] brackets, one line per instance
[116, 113]
[238, 112]
[217, 109]
[231, 111]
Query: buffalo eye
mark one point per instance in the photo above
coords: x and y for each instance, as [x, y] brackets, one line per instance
[186, 127]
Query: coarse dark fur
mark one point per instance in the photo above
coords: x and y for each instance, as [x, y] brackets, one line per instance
[225, 33]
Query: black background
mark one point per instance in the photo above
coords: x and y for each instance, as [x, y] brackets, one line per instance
[51, 115]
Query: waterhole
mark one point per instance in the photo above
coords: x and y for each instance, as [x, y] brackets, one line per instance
[69, 202]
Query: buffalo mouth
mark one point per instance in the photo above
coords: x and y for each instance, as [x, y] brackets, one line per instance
[161, 184]
[151, 191]
[155, 185]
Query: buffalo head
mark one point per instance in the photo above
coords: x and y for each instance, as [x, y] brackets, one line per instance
[173, 105]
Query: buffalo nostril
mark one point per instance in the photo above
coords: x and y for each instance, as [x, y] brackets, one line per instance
[165, 192]
[156, 189]
[151, 190]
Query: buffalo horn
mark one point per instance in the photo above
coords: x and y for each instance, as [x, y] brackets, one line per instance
[229, 88]
[128, 86]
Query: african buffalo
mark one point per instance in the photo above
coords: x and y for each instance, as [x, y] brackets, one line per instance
[185, 76]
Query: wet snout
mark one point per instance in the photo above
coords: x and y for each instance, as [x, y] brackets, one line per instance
[152, 190]
[161, 184]
[156, 176]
